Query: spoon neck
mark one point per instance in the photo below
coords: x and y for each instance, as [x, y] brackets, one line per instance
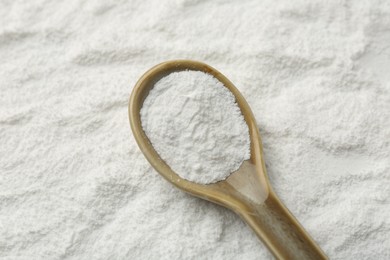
[280, 231]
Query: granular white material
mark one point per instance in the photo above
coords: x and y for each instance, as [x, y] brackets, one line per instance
[195, 125]
[73, 182]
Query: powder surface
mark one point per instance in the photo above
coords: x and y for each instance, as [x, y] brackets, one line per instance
[195, 125]
[73, 182]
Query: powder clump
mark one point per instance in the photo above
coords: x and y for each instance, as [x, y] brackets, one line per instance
[195, 125]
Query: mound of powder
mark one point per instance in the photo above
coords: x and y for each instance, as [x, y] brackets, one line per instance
[195, 125]
[75, 185]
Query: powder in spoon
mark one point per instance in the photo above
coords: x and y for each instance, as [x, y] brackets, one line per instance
[195, 125]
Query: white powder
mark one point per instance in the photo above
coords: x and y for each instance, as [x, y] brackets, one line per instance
[73, 182]
[196, 127]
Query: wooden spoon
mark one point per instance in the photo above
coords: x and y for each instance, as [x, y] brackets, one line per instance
[247, 191]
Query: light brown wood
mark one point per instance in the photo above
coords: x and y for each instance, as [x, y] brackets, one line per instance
[247, 191]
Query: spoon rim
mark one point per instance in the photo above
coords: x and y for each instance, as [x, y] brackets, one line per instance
[205, 191]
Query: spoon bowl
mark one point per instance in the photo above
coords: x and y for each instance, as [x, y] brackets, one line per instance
[246, 191]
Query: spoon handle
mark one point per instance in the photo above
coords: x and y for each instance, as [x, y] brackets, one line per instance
[280, 231]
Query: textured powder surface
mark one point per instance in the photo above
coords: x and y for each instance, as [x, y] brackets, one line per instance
[74, 184]
[196, 126]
